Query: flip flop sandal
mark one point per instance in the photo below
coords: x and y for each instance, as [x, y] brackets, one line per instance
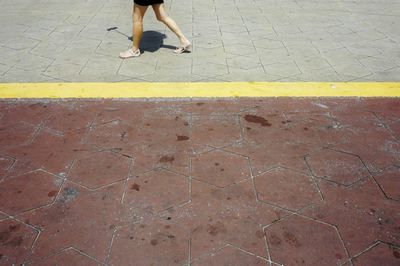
[129, 53]
[182, 49]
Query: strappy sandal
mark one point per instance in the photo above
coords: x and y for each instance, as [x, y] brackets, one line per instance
[184, 48]
[129, 53]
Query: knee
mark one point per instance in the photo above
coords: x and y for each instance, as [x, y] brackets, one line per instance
[138, 23]
[162, 18]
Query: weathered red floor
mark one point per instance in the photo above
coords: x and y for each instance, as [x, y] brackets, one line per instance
[227, 182]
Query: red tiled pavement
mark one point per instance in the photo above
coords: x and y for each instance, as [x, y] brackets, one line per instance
[210, 182]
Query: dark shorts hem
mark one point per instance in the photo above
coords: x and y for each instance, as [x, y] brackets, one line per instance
[148, 2]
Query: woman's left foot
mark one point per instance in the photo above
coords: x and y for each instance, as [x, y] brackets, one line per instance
[129, 53]
[185, 47]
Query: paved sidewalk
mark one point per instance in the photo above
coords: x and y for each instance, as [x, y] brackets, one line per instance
[200, 182]
[234, 40]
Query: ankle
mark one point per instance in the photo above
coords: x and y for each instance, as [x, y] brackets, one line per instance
[184, 40]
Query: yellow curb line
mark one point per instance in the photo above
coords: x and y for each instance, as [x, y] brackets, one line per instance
[199, 90]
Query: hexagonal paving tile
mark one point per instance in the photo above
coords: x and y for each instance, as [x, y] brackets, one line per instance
[155, 191]
[230, 256]
[286, 188]
[28, 191]
[336, 166]
[80, 218]
[150, 243]
[389, 180]
[5, 164]
[48, 151]
[297, 240]
[220, 216]
[67, 257]
[16, 240]
[100, 169]
[395, 128]
[361, 213]
[112, 134]
[217, 131]
[220, 168]
[381, 254]
[14, 135]
[168, 155]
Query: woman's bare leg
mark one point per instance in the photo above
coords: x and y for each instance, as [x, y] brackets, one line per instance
[137, 32]
[169, 22]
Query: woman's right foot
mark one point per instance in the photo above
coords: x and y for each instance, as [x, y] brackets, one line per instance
[184, 47]
[129, 53]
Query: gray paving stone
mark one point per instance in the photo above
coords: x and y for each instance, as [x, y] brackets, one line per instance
[97, 75]
[244, 62]
[268, 44]
[20, 75]
[31, 61]
[62, 70]
[77, 56]
[207, 43]
[291, 39]
[268, 57]
[283, 69]
[10, 56]
[169, 75]
[323, 75]
[326, 45]
[4, 69]
[49, 50]
[376, 64]
[307, 63]
[210, 69]
[392, 75]
[174, 61]
[254, 74]
[106, 63]
[21, 43]
[37, 34]
[354, 69]
[134, 69]
[239, 49]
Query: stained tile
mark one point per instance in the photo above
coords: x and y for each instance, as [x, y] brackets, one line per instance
[216, 131]
[146, 181]
[100, 169]
[28, 191]
[220, 168]
[381, 254]
[337, 166]
[6, 163]
[286, 188]
[361, 213]
[151, 243]
[48, 151]
[16, 240]
[389, 180]
[67, 257]
[80, 218]
[15, 135]
[217, 217]
[298, 240]
[230, 256]
[155, 191]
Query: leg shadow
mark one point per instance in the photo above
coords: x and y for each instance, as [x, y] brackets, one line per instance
[151, 40]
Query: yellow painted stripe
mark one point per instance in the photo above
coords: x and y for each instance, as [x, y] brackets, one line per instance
[204, 89]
